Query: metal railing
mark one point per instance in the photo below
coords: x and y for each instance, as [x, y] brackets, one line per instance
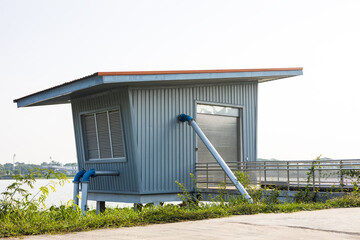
[338, 174]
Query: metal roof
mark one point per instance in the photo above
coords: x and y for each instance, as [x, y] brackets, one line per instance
[102, 81]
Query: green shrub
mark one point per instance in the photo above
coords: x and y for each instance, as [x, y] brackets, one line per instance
[243, 178]
[305, 196]
[25, 217]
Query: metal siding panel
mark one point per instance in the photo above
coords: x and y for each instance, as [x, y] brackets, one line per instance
[168, 154]
[127, 182]
[256, 122]
[167, 146]
[180, 138]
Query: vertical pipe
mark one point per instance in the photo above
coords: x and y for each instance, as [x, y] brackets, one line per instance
[76, 182]
[76, 193]
[85, 184]
[217, 156]
[84, 196]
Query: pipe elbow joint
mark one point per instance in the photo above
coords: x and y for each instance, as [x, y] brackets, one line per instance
[88, 175]
[184, 118]
[79, 175]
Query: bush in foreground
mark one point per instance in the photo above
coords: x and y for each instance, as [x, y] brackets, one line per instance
[64, 219]
[24, 216]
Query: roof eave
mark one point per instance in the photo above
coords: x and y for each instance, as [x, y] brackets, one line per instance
[273, 75]
[61, 90]
[62, 93]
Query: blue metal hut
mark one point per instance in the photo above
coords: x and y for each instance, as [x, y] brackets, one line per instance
[126, 126]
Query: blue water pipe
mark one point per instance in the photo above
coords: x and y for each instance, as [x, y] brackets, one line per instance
[88, 175]
[76, 182]
[79, 175]
[85, 184]
[184, 118]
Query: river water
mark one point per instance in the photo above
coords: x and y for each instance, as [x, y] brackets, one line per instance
[62, 195]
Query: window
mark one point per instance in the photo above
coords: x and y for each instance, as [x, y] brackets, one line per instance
[103, 135]
[222, 126]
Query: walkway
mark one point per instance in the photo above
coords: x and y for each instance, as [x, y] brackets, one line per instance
[323, 224]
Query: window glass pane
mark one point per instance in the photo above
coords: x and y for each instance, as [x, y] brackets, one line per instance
[223, 133]
[218, 110]
[116, 134]
[90, 137]
[103, 135]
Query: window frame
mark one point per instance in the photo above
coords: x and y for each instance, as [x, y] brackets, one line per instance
[84, 141]
[240, 131]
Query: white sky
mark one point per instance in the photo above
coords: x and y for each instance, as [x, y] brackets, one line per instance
[45, 43]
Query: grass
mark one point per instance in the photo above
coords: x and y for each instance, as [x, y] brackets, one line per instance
[20, 215]
[18, 222]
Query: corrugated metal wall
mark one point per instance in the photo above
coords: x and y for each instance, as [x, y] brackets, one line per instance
[127, 182]
[160, 149]
[166, 146]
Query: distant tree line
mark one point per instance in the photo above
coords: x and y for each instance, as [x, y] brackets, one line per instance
[7, 170]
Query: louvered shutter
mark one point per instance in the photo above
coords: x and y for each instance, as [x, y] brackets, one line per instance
[116, 134]
[103, 135]
[90, 136]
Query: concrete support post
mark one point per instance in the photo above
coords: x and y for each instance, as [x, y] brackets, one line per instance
[100, 207]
